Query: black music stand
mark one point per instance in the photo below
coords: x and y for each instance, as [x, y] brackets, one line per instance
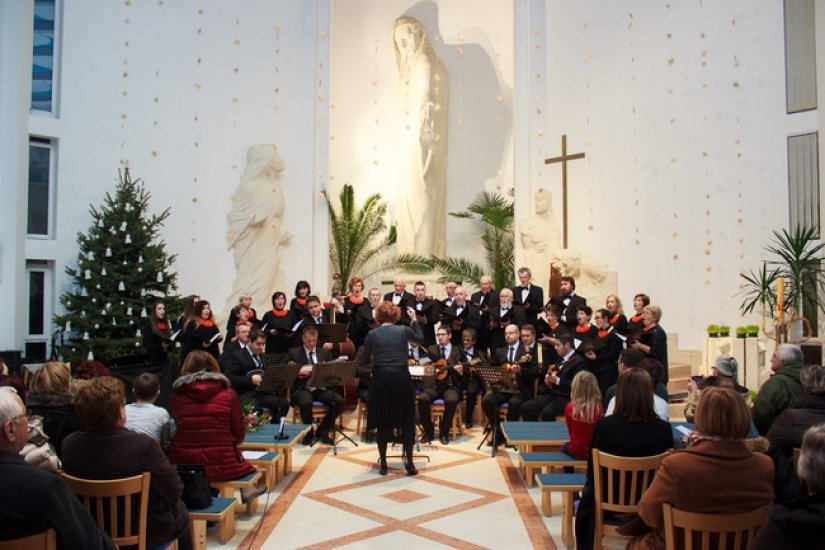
[491, 375]
[278, 378]
[275, 358]
[333, 374]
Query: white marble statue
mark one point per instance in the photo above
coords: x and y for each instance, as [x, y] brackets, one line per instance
[254, 234]
[540, 236]
[541, 246]
[421, 213]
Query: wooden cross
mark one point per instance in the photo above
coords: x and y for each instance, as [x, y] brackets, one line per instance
[563, 160]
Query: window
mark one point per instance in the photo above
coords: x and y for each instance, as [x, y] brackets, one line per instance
[44, 55]
[39, 323]
[41, 176]
[803, 180]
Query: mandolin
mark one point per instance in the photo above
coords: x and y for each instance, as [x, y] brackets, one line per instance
[507, 373]
[442, 369]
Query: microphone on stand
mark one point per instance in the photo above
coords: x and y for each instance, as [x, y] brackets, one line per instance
[281, 434]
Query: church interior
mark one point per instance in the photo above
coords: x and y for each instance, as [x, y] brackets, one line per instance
[644, 147]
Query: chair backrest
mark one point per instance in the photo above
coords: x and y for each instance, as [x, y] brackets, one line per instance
[118, 506]
[705, 531]
[620, 481]
[47, 540]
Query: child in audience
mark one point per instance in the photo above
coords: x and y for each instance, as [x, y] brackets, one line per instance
[581, 414]
[143, 416]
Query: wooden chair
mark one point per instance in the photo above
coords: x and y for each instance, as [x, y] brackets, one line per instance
[706, 531]
[106, 500]
[619, 483]
[361, 418]
[47, 540]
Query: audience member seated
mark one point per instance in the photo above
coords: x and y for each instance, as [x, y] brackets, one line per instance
[50, 398]
[144, 416]
[89, 369]
[632, 430]
[788, 429]
[798, 523]
[660, 406]
[716, 474]
[37, 451]
[725, 367]
[581, 414]
[109, 451]
[33, 500]
[209, 422]
[782, 389]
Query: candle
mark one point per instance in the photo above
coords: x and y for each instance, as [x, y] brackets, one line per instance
[780, 300]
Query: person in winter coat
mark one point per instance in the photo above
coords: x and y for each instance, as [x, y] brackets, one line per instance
[782, 389]
[209, 422]
[798, 523]
[787, 431]
[50, 398]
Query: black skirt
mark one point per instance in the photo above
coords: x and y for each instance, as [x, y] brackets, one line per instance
[391, 400]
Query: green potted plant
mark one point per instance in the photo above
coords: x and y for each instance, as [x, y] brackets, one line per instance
[713, 331]
[753, 331]
[724, 330]
[741, 332]
[796, 257]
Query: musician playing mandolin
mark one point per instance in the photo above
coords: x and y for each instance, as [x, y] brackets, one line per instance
[446, 358]
[517, 363]
[554, 391]
[471, 383]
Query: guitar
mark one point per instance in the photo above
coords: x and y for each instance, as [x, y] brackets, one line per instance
[442, 369]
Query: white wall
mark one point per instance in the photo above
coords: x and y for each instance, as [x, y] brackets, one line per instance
[679, 107]
[178, 91]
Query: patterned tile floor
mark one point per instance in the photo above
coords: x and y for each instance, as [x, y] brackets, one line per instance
[462, 498]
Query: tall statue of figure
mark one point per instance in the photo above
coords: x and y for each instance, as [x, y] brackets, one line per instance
[540, 238]
[424, 88]
[254, 235]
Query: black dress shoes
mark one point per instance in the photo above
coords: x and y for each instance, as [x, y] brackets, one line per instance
[308, 438]
[326, 439]
[382, 466]
[427, 438]
[444, 439]
[410, 467]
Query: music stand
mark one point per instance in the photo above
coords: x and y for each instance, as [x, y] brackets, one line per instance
[278, 378]
[333, 374]
[491, 374]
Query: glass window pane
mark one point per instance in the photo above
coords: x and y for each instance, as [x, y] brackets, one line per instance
[36, 351]
[43, 55]
[38, 213]
[37, 280]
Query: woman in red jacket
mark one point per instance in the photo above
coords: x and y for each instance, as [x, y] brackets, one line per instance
[209, 422]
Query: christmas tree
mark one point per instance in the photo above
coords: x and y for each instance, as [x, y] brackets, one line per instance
[121, 268]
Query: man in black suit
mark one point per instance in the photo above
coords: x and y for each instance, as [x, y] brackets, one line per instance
[461, 315]
[449, 289]
[317, 315]
[308, 354]
[426, 312]
[528, 295]
[448, 389]
[239, 342]
[514, 354]
[244, 367]
[568, 302]
[33, 499]
[505, 313]
[470, 381]
[554, 391]
[400, 296]
[485, 299]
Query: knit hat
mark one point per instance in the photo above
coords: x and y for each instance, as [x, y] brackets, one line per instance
[727, 365]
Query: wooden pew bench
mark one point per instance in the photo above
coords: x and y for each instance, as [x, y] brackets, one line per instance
[546, 461]
[226, 489]
[570, 485]
[222, 512]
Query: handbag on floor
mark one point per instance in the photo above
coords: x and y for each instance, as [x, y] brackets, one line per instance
[196, 494]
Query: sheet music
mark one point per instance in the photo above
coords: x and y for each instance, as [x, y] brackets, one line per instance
[212, 340]
[298, 324]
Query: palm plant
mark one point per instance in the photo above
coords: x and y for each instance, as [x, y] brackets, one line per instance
[493, 214]
[797, 261]
[359, 242]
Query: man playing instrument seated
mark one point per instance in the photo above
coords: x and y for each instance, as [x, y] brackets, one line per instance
[554, 390]
[471, 382]
[446, 361]
[308, 355]
[517, 364]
